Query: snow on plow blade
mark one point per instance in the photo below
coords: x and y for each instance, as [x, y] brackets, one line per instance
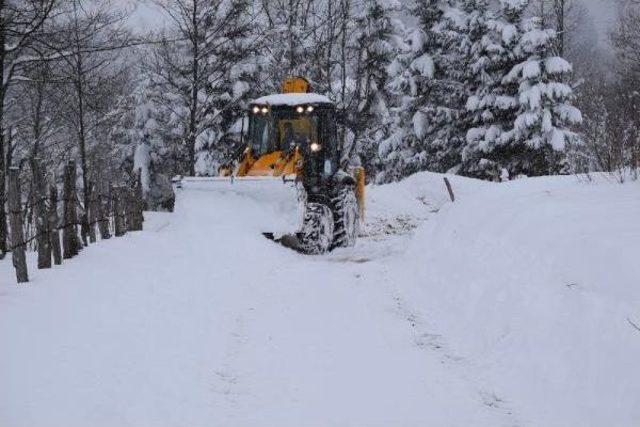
[269, 203]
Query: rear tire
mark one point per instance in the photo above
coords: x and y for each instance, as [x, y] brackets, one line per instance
[346, 218]
[317, 229]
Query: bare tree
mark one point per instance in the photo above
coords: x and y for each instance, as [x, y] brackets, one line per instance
[565, 16]
[20, 25]
[626, 39]
[195, 74]
[611, 105]
[90, 67]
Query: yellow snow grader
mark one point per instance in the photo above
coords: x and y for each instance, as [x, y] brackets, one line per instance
[292, 137]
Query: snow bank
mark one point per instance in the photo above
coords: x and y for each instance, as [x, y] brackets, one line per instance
[536, 281]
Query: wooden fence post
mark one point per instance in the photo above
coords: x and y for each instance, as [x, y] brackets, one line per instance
[449, 189]
[54, 223]
[134, 206]
[127, 205]
[102, 212]
[70, 240]
[91, 205]
[84, 221]
[118, 211]
[138, 199]
[40, 208]
[15, 219]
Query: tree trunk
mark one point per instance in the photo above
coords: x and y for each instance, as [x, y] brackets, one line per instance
[195, 88]
[560, 25]
[3, 215]
[3, 166]
[40, 208]
[54, 223]
[82, 142]
[70, 240]
[17, 235]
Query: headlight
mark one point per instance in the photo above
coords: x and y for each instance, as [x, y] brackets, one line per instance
[309, 108]
[256, 109]
[300, 109]
[315, 147]
[265, 110]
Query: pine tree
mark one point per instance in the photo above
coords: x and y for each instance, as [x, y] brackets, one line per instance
[154, 148]
[545, 114]
[493, 102]
[298, 39]
[229, 87]
[367, 110]
[202, 78]
[424, 133]
[465, 29]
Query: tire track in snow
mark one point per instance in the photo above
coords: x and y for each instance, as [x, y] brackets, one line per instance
[427, 340]
[387, 233]
[229, 381]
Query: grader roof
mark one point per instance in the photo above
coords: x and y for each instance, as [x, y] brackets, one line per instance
[292, 99]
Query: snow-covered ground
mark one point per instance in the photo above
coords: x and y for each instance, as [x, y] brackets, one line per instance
[515, 305]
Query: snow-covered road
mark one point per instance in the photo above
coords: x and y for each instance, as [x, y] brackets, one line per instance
[200, 321]
[509, 307]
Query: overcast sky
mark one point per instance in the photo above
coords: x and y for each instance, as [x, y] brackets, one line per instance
[604, 15]
[147, 17]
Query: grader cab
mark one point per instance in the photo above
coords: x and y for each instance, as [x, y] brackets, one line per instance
[292, 136]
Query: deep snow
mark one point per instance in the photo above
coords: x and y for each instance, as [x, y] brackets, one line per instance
[512, 306]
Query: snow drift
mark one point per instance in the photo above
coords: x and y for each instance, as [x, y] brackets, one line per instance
[536, 282]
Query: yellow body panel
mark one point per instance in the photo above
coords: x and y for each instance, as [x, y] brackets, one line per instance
[277, 163]
[264, 165]
[246, 163]
[295, 85]
[359, 175]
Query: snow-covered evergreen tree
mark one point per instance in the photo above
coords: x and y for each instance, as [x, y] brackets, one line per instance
[203, 77]
[425, 78]
[367, 108]
[521, 110]
[465, 29]
[141, 146]
[229, 87]
[493, 102]
[298, 39]
[545, 114]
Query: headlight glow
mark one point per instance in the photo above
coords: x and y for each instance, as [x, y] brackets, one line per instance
[300, 109]
[309, 108]
[315, 147]
[256, 109]
[265, 110]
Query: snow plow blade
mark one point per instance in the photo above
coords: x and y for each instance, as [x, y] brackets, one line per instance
[195, 181]
[279, 195]
[291, 241]
[261, 188]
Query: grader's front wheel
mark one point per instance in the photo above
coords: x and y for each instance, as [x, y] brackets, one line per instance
[346, 217]
[317, 231]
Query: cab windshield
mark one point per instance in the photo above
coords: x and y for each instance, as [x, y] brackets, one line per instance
[282, 131]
